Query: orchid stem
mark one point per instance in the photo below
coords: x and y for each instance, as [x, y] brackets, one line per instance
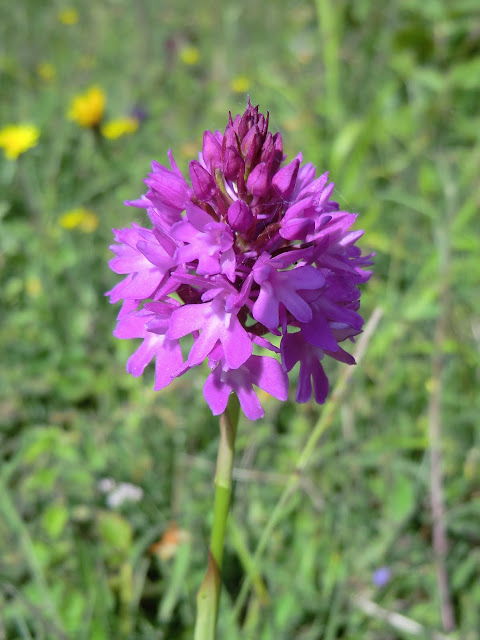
[208, 596]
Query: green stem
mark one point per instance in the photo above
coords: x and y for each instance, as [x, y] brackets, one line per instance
[208, 595]
[329, 19]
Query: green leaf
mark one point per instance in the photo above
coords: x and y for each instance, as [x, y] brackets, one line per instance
[42, 440]
[465, 75]
[401, 499]
[115, 531]
[54, 519]
[176, 583]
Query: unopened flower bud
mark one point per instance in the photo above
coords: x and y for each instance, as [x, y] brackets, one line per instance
[240, 216]
[258, 182]
[247, 120]
[203, 184]
[251, 145]
[212, 151]
[233, 164]
[278, 154]
[168, 187]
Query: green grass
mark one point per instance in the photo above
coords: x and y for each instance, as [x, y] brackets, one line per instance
[385, 96]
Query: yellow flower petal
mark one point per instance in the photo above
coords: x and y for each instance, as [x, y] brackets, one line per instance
[189, 55]
[87, 109]
[240, 84]
[68, 16]
[79, 218]
[17, 138]
[119, 127]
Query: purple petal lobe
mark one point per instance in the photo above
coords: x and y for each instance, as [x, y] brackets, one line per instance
[284, 180]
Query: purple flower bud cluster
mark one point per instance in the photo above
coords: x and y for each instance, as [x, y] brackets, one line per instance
[250, 248]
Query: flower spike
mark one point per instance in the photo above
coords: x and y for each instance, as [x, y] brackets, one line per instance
[250, 248]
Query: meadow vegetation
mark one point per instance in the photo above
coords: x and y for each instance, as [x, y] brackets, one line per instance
[106, 485]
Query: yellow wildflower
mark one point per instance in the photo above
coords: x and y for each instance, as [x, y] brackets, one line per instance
[240, 84]
[68, 16]
[47, 71]
[189, 55]
[87, 108]
[80, 218]
[119, 127]
[17, 138]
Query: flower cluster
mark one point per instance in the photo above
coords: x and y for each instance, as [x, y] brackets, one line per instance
[88, 110]
[251, 248]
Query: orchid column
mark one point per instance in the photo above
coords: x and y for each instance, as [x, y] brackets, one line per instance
[251, 248]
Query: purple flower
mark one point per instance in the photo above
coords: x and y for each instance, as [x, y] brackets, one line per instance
[381, 576]
[248, 248]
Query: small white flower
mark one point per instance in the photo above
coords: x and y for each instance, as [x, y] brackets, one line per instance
[106, 485]
[123, 492]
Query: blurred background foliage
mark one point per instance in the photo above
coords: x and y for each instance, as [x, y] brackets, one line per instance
[106, 486]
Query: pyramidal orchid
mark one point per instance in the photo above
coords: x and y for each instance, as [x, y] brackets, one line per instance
[254, 262]
[249, 248]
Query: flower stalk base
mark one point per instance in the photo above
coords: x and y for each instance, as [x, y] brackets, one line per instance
[208, 596]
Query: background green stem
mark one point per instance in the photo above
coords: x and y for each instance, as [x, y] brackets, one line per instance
[319, 429]
[209, 593]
